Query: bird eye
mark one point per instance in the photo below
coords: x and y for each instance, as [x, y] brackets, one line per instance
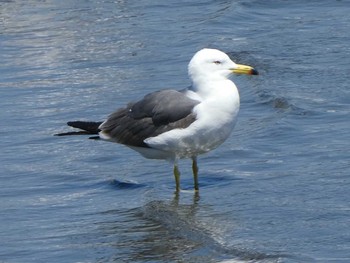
[217, 62]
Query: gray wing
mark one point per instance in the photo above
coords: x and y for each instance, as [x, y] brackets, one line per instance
[156, 113]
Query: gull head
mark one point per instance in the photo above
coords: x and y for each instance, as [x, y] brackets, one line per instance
[213, 64]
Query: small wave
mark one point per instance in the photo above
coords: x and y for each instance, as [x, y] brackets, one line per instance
[125, 185]
[279, 103]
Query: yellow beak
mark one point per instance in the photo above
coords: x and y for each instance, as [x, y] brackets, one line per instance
[243, 69]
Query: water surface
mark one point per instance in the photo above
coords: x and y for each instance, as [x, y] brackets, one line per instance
[276, 191]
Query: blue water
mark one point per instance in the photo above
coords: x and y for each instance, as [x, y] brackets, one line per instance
[276, 191]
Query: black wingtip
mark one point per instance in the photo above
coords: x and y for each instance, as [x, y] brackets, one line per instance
[72, 133]
[86, 127]
[89, 127]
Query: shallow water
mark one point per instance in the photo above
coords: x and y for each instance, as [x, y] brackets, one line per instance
[276, 191]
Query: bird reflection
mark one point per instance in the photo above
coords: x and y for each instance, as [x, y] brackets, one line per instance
[160, 230]
[168, 231]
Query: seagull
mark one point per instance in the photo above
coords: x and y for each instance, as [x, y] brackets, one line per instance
[175, 124]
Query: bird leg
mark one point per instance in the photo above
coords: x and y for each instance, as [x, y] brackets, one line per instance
[177, 177]
[195, 173]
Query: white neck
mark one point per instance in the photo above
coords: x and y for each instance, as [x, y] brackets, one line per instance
[205, 88]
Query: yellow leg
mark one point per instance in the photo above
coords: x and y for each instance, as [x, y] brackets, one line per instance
[177, 177]
[195, 173]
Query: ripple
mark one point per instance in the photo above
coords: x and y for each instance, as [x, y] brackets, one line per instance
[125, 184]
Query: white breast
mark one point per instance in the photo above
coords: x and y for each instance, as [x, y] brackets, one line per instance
[216, 117]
